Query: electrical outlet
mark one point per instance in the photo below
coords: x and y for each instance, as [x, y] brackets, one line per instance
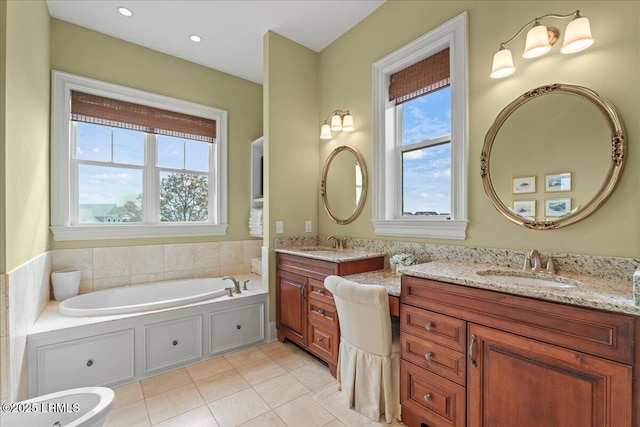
[307, 226]
[279, 227]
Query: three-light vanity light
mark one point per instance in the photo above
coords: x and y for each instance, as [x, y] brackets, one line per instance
[337, 120]
[540, 40]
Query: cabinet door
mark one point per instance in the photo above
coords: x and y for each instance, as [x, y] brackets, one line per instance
[516, 381]
[172, 342]
[291, 307]
[236, 327]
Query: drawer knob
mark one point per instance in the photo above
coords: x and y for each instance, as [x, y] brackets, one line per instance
[90, 362]
[321, 312]
[238, 326]
[429, 326]
[174, 343]
[319, 339]
[321, 291]
[428, 356]
[427, 398]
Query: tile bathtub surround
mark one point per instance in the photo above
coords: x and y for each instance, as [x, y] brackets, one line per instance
[25, 293]
[614, 268]
[103, 268]
[271, 384]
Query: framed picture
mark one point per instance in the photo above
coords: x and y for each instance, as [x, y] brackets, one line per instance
[557, 207]
[523, 185]
[524, 208]
[557, 182]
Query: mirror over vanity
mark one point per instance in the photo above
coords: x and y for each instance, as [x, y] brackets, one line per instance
[344, 184]
[553, 156]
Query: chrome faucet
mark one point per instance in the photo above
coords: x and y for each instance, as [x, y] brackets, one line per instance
[337, 242]
[236, 284]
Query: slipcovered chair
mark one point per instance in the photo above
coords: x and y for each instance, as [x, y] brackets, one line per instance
[369, 356]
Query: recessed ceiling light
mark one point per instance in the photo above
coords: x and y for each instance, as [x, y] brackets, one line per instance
[195, 38]
[124, 11]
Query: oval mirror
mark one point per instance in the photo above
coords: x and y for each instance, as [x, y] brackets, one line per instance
[344, 184]
[553, 156]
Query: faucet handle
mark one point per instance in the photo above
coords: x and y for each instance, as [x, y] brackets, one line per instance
[527, 260]
[244, 287]
[551, 267]
[230, 289]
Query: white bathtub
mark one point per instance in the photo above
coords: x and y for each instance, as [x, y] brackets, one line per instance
[149, 296]
[80, 407]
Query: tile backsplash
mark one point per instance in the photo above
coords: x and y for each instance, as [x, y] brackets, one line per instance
[103, 268]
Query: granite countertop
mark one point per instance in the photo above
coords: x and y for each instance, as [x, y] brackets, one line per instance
[386, 278]
[605, 294]
[325, 253]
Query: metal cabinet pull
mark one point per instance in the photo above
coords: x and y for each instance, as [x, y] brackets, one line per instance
[304, 285]
[321, 291]
[429, 326]
[428, 356]
[472, 351]
[174, 343]
[90, 362]
[321, 312]
[427, 398]
[238, 327]
[319, 339]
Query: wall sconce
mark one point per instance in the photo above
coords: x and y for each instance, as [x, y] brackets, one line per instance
[337, 120]
[540, 39]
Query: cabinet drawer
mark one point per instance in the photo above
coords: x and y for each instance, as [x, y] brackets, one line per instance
[428, 399]
[308, 267]
[318, 292]
[434, 357]
[323, 340]
[172, 342]
[600, 333]
[447, 331]
[95, 361]
[236, 327]
[319, 311]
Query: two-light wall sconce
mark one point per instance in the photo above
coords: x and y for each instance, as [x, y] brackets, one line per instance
[540, 39]
[337, 120]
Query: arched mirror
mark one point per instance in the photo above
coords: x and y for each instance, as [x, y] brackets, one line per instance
[344, 184]
[553, 156]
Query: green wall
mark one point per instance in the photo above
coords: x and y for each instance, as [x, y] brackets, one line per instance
[24, 147]
[611, 67]
[291, 140]
[87, 53]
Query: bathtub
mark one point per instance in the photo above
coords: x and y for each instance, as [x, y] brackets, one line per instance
[145, 297]
[80, 407]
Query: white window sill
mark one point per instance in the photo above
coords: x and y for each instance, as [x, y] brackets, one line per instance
[413, 227]
[111, 231]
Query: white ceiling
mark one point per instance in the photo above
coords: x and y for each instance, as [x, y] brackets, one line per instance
[232, 31]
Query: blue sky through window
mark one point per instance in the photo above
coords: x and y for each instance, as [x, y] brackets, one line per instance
[426, 172]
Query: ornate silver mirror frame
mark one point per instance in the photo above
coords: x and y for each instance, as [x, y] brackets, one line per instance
[323, 185]
[616, 162]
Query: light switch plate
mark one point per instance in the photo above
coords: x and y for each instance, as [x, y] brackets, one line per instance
[279, 227]
[307, 226]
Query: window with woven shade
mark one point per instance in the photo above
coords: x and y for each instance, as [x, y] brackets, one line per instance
[127, 163]
[420, 142]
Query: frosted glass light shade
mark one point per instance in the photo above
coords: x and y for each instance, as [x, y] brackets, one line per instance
[347, 123]
[537, 43]
[325, 132]
[336, 122]
[502, 64]
[577, 36]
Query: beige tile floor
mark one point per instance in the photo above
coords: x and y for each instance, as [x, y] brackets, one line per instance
[272, 384]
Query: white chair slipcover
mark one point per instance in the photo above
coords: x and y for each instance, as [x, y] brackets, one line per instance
[369, 356]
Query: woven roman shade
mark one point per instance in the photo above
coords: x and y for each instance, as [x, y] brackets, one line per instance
[423, 77]
[112, 112]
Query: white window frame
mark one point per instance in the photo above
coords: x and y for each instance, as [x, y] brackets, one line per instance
[387, 215]
[63, 224]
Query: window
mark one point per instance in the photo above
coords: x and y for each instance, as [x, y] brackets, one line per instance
[420, 136]
[127, 163]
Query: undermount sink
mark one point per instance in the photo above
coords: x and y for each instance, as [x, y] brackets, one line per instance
[318, 249]
[529, 279]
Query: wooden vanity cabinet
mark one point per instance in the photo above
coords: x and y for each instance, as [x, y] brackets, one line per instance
[305, 311]
[526, 362]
